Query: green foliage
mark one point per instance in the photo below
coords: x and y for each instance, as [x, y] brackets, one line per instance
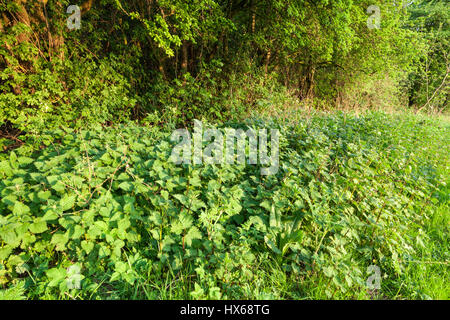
[137, 225]
[189, 98]
[91, 199]
[16, 292]
[429, 88]
[169, 61]
[170, 22]
[50, 99]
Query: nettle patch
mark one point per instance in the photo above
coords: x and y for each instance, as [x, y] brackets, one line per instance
[111, 204]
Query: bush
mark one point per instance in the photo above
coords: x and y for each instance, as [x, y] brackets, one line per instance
[110, 204]
[52, 99]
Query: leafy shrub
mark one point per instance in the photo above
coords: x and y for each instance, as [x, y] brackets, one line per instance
[48, 100]
[177, 102]
[110, 203]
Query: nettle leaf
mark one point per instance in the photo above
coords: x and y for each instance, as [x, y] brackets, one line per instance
[103, 251]
[184, 200]
[196, 204]
[155, 234]
[186, 220]
[44, 195]
[124, 224]
[195, 180]
[75, 232]
[56, 183]
[233, 207]
[121, 267]
[59, 239]
[157, 166]
[123, 177]
[67, 202]
[126, 186]
[266, 204]
[105, 211]
[13, 160]
[192, 234]
[132, 236]
[10, 237]
[165, 194]
[176, 228]
[27, 239]
[36, 176]
[20, 208]
[5, 252]
[106, 158]
[105, 198]
[119, 244]
[17, 260]
[102, 225]
[198, 291]
[9, 200]
[167, 243]
[191, 203]
[87, 246]
[129, 207]
[25, 160]
[94, 231]
[17, 182]
[50, 215]
[6, 169]
[39, 226]
[77, 180]
[56, 276]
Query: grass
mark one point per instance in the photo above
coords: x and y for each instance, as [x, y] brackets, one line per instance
[427, 275]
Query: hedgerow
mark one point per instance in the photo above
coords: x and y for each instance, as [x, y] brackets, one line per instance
[109, 202]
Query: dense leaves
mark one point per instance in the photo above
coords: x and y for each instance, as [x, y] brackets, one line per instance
[169, 61]
[109, 202]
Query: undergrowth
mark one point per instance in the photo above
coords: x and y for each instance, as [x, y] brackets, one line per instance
[351, 192]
